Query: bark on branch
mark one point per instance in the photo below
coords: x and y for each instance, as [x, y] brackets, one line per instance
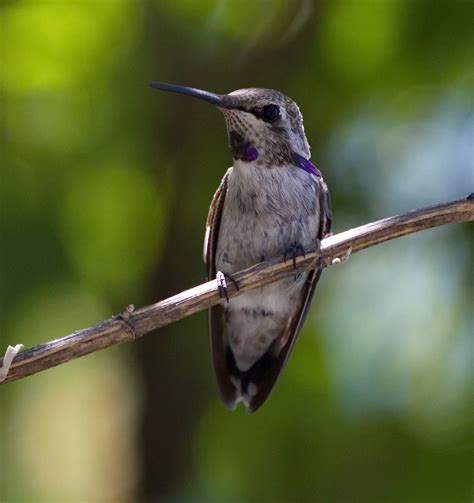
[132, 324]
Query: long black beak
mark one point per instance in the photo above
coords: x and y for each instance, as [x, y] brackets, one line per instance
[215, 99]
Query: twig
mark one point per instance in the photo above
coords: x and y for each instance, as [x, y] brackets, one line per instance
[132, 324]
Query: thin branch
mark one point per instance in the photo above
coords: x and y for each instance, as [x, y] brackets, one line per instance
[132, 324]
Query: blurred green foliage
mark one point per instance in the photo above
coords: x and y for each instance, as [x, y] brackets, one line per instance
[104, 191]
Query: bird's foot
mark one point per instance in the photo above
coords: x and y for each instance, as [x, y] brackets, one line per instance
[222, 284]
[292, 252]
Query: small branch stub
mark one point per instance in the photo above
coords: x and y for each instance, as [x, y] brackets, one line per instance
[133, 323]
[10, 354]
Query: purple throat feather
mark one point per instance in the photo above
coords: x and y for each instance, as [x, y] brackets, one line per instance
[251, 154]
[305, 164]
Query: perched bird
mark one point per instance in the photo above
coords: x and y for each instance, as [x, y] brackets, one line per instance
[272, 203]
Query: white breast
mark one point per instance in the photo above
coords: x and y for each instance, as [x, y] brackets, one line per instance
[265, 211]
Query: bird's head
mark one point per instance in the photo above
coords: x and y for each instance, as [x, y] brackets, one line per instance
[265, 127]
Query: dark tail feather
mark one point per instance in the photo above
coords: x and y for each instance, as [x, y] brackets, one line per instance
[261, 377]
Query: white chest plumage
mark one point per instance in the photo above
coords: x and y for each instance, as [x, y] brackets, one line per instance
[266, 210]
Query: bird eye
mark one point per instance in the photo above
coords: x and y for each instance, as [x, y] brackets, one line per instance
[271, 113]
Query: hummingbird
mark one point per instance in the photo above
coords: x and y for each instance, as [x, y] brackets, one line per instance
[272, 203]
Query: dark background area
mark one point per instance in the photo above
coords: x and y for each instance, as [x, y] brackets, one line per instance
[104, 191]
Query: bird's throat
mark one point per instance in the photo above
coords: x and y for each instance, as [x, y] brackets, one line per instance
[241, 148]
